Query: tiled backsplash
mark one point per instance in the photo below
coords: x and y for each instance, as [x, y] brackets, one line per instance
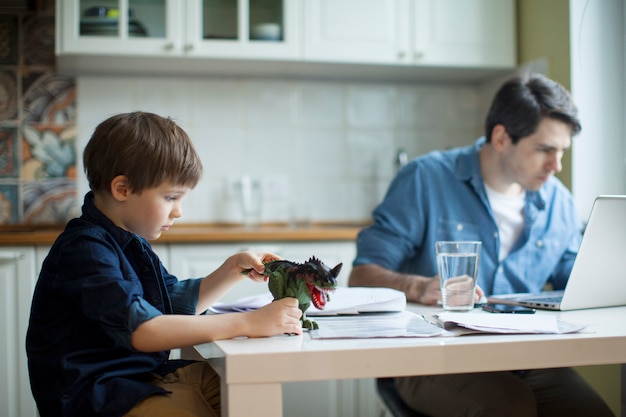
[334, 142]
[37, 123]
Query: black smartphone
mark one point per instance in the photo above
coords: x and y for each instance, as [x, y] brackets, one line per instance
[503, 308]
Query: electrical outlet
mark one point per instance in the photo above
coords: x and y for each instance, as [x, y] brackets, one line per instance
[276, 186]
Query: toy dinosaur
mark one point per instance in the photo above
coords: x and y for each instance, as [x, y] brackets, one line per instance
[309, 282]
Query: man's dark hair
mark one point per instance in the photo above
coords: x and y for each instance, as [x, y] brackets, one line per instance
[522, 102]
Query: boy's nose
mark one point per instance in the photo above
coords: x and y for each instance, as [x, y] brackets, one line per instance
[177, 211]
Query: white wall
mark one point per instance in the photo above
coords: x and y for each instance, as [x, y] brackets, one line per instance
[334, 141]
[597, 84]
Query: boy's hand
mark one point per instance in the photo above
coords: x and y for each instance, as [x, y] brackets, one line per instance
[278, 317]
[251, 264]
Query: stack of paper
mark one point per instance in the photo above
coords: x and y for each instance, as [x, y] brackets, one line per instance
[344, 300]
[507, 323]
[375, 325]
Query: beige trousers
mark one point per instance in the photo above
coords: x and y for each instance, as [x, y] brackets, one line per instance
[195, 393]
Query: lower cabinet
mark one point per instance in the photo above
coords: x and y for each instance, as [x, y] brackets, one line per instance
[17, 279]
[341, 398]
[198, 260]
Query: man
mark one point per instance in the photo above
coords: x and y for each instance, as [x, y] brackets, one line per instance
[501, 191]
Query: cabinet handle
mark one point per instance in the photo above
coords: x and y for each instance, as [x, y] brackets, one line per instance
[9, 256]
[418, 56]
[169, 46]
[401, 55]
[188, 47]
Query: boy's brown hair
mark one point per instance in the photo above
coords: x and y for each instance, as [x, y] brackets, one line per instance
[146, 148]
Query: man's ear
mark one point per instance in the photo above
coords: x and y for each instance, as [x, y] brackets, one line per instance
[500, 138]
[119, 188]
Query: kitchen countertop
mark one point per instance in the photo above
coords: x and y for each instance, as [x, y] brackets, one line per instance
[205, 233]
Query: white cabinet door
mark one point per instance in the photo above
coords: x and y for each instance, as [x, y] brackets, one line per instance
[447, 33]
[17, 279]
[472, 33]
[354, 31]
[249, 29]
[198, 260]
[146, 28]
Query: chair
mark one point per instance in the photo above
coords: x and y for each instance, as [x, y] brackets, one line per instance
[391, 403]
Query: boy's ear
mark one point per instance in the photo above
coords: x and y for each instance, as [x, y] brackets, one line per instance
[119, 188]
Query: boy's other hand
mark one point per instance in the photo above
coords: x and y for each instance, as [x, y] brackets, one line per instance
[278, 317]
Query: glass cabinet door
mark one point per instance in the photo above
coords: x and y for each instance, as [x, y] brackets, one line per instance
[264, 18]
[244, 28]
[136, 18]
[120, 26]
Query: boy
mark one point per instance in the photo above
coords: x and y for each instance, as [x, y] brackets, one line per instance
[105, 312]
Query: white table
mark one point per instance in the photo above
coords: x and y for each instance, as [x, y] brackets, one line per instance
[252, 370]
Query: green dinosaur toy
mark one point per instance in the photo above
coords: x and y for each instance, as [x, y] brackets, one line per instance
[309, 282]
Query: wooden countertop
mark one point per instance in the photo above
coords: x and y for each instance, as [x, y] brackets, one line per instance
[204, 233]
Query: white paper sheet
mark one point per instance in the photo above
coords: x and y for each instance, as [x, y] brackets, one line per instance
[507, 323]
[344, 300]
[374, 325]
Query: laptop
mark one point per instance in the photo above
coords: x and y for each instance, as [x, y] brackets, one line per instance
[598, 277]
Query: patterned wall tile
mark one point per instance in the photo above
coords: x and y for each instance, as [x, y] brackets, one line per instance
[9, 204]
[49, 202]
[48, 152]
[38, 40]
[8, 95]
[9, 156]
[49, 98]
[37, 122]
[8, 40]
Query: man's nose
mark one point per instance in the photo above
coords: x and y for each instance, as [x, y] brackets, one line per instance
[556, 162]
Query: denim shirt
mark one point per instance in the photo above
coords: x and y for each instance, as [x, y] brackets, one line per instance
[97, 285]
[441, 196]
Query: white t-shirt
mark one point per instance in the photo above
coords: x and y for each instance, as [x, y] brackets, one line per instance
[509, 215]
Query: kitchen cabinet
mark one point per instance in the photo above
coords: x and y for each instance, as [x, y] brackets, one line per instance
[17, 281]
[449, 33]
[352, 31]
[197, 260]
[395, 39]
[470, 33]
[172, 28]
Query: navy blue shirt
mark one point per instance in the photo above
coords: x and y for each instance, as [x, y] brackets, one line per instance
[97, 285]
[441, 196]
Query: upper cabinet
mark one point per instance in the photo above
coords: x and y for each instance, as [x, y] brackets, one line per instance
[394, 38]
[352, 31]
[257, 29]
[265, 29]
[468, 33]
